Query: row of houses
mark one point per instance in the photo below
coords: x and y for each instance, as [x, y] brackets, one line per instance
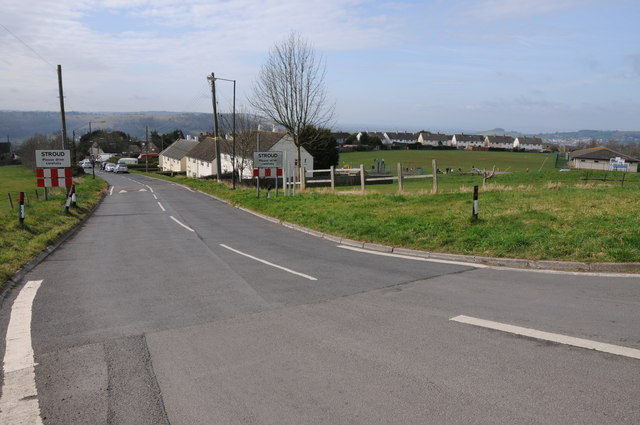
[197, 157]
[461, 141]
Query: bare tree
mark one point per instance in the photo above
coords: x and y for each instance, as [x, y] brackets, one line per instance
[246, 125]
[27, 151]
[290, 89]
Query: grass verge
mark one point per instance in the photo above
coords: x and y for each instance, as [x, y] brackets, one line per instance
[45, 221]
[537, 215]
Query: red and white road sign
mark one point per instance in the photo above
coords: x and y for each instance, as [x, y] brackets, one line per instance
[54, 177]
[267, 172]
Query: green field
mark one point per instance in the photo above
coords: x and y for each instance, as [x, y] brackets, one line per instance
[45, 221]
[465, 160]
[419, 162]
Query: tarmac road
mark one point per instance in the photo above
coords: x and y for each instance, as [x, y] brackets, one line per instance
[171, 307]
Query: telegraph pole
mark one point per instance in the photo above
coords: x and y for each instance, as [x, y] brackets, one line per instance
[64, 122]
[146, 145]
[216, 137]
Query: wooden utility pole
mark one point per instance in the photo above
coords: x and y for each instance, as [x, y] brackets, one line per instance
[146, 145]
[216, 137]
[62, 116]
[434, 165]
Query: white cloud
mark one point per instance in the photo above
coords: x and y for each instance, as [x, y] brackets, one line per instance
[490, 10]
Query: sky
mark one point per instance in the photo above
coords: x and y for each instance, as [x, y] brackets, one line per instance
[439, 65]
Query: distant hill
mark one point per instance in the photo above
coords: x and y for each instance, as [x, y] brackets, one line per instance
[20, 125]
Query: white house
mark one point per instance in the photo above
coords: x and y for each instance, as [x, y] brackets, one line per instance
[467, 141]
[173, 157]
[499, 142]
[434, 139]
[286, 145]
[200, 161]
[529, 144]
[601, 158]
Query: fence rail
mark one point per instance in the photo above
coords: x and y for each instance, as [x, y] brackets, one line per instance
[360, 171]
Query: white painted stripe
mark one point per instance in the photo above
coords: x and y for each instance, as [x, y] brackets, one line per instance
[111, 191]
[306, 276]
[181, 224]
[486, 266]
[161, 207]
[149, 188]
[409, 257]
[19, 402]
[154, 196]
[553, 337]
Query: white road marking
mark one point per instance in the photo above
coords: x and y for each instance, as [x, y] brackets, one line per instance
[409, 257]
[123, 191]
[149, 188]
[142, 190]
[486, 266]
[306, 276]
[154, 196]
[181, 224]
[548, 336]
[161, 207]
[111, 191]
[19, 402]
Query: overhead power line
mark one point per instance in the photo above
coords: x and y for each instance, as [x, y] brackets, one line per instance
[28, 47]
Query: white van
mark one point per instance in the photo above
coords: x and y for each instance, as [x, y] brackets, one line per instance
[128, 161]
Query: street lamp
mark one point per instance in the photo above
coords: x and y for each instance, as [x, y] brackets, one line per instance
[233, 160]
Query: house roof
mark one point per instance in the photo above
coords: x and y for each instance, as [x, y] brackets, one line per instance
[601, 152]
[438, 137]
[179, 148]
[469, 137]
[402, 136]
[267, 140]
[525, 140]
[204, 151]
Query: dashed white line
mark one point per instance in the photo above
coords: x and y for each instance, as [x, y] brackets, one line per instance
[548, 336]
[111, 191]
[19, 402]
[154, 196]
[161, 207]
[181, 224]
[306, 276]
[150, 188]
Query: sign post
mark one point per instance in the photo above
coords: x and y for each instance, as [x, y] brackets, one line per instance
[54, 170]
[267, 164]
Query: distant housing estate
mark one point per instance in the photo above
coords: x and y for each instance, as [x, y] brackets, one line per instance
[460, 141]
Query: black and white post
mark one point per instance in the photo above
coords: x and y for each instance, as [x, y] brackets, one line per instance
[21, 207]
[475, 203]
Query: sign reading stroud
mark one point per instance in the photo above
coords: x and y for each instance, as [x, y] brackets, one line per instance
[53, 158]
[267, 159]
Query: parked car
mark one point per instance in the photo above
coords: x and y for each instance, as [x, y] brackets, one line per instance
[121, 168]
[109, 167]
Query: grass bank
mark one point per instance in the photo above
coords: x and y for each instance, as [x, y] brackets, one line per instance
[537, 215]
[45, 221]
